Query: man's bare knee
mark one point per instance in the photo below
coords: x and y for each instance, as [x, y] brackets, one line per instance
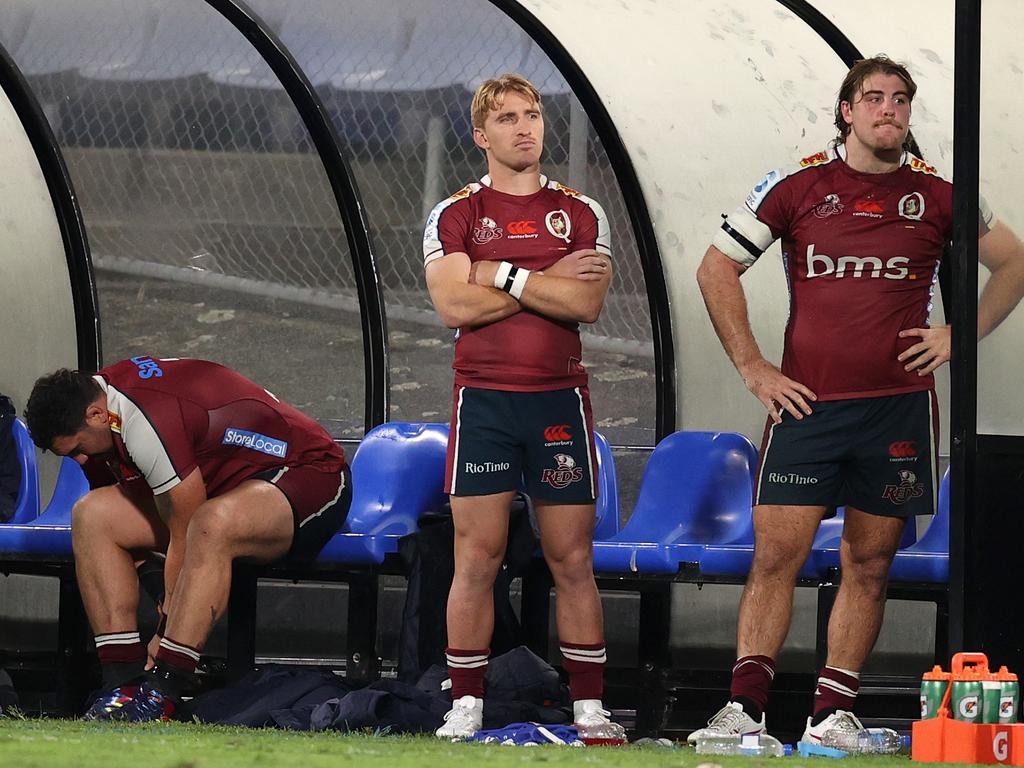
[869, 567]
[572, 566]
[90, 519]
[212, 527]
[775, 561]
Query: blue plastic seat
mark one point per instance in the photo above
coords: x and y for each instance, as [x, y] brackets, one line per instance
[26, 508]
[696, 490]
[826, 551]
[607, 523]
[397, 476]
[928, 559]
[48, 536]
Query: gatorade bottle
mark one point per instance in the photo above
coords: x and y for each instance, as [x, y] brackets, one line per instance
[933, 688]
[965, 700]
[1009, 695]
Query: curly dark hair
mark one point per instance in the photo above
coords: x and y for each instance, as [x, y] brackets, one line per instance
[56, 407]
[861, 71]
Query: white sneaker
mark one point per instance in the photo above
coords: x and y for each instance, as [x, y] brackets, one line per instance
[840, 721]
[465, 718]
[730, 720]
[594, 724]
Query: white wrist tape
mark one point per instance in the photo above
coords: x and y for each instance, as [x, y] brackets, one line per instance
[501, 276]
[511, 279]
[519, 277]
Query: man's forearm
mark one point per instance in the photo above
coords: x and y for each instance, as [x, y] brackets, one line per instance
[473, 305]
[1002, 293]
[565, 299]
[172, 569]
[727, 307]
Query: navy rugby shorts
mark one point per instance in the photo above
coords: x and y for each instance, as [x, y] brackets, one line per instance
[539, 442]
[878, 454]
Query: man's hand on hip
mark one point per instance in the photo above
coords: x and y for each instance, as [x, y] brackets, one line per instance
[777, 391]
[934, 348]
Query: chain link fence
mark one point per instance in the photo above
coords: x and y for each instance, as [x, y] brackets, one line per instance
[192, 164]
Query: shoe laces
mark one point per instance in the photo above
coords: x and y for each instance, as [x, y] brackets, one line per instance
[844, 721]
[592, 717]
[461, 708]
[727, 719]
[148, 704]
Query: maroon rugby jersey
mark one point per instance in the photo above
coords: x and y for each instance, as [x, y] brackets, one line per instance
[169, 416]
[861, 253]
[526, 352]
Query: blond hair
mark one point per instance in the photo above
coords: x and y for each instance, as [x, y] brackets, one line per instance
[491, 94]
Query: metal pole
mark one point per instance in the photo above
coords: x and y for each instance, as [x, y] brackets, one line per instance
[963, 571]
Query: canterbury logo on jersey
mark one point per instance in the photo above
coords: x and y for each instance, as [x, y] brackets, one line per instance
[820, 265]
[521, 227]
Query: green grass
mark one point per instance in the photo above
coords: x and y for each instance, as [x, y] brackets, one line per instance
[50, 743]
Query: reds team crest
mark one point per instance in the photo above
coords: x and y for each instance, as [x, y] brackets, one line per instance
[566, 473]
[487, 231]
[908, 488]
[830, 206]
[558, 224]
[912, 206]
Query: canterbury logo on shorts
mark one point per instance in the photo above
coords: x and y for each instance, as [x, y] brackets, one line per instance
[557, 432]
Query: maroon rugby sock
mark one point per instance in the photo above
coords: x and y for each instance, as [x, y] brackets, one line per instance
[467, 668]
[177, 656]
[122, 656]
[837, 689]
[585, 665]
[751, 680]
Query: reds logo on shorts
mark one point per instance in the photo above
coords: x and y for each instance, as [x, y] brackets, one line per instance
[566, 473]
[908, 488]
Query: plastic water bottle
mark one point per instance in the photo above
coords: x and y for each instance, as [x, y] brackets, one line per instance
[606, 733]
[869, 741]
[748, 745]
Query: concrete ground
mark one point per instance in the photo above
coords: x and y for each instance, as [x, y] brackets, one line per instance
[312, 356]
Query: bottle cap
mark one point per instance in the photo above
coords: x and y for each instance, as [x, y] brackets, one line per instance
[1005, 675]
[936, 673]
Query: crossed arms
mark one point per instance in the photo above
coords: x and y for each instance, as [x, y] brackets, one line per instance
[573, 289]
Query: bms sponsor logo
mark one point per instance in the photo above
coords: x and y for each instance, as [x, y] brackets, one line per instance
[821, 265]
[255, 441]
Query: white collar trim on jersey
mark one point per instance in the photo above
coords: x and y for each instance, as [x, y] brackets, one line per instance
[486, 180]
[839, 151]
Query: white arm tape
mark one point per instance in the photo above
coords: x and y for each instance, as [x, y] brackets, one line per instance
[501, 276]
[519, 283]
